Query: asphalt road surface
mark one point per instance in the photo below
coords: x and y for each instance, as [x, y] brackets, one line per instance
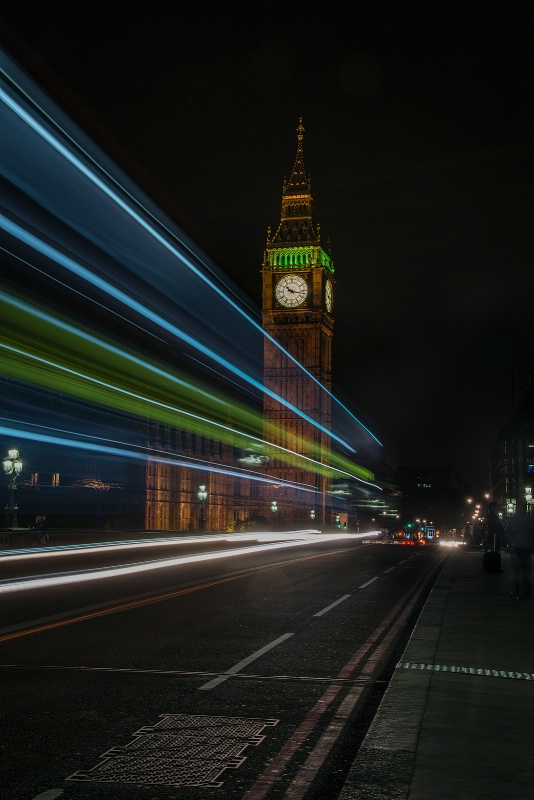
[198, 668]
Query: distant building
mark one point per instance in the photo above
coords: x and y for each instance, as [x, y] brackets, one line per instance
[93, 501]
[512, 455]
[435, 494]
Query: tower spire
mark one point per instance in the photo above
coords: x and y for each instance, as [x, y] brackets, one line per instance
[297, 224]
[299, 181]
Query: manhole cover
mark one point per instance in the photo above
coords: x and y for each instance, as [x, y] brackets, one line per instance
[180, 750]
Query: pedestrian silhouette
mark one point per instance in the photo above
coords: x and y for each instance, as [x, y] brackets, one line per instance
[494, 529]
[491, 560]
[40, 529]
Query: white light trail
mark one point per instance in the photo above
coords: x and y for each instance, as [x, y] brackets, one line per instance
[299, 539]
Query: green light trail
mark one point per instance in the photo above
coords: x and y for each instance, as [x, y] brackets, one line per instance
[56, 354]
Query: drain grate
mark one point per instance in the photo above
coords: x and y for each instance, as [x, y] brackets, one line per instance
[180, 750]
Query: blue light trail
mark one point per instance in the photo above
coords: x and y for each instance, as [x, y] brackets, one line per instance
[159, 232]
[71, 220]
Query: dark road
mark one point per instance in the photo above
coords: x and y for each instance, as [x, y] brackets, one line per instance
[202, 668]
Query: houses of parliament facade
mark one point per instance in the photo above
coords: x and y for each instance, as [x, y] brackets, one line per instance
[297, 319]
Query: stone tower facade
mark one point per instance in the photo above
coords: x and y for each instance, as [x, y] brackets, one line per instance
[298, 297]
[297, 306]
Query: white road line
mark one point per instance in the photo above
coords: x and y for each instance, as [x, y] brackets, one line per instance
[389, 570]
[368, 582]
[50, 794]
[238, 667]
[332, 605]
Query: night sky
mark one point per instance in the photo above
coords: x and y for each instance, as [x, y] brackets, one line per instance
[418, 138]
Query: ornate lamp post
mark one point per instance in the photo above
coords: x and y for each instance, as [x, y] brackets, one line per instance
[274, 509]
[202, 495]
[528, 498]
[12, 467]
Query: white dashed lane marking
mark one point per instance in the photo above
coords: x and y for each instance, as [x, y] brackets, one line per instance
[332, 605]
[246, 661]
[368, 582]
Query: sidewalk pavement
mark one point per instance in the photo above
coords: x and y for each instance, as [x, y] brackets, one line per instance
[457, 719]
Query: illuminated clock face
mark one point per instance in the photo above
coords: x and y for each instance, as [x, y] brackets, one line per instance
[291, 290]
[328, 296]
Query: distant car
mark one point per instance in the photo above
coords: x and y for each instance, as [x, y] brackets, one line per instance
[411, 540]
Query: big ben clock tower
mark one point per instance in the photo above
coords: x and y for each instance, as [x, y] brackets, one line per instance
[298, 299]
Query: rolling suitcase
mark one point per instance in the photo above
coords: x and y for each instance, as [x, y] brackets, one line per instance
[491, 560]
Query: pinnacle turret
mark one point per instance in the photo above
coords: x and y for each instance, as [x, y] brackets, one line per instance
[299, 181]
[297, 224]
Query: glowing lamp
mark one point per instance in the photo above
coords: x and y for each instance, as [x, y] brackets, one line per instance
[202, 495]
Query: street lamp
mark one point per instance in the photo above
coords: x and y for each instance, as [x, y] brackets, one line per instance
[202, 495]
[274, 509]
[12, 467]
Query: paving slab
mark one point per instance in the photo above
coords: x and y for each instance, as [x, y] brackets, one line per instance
[456, 719]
